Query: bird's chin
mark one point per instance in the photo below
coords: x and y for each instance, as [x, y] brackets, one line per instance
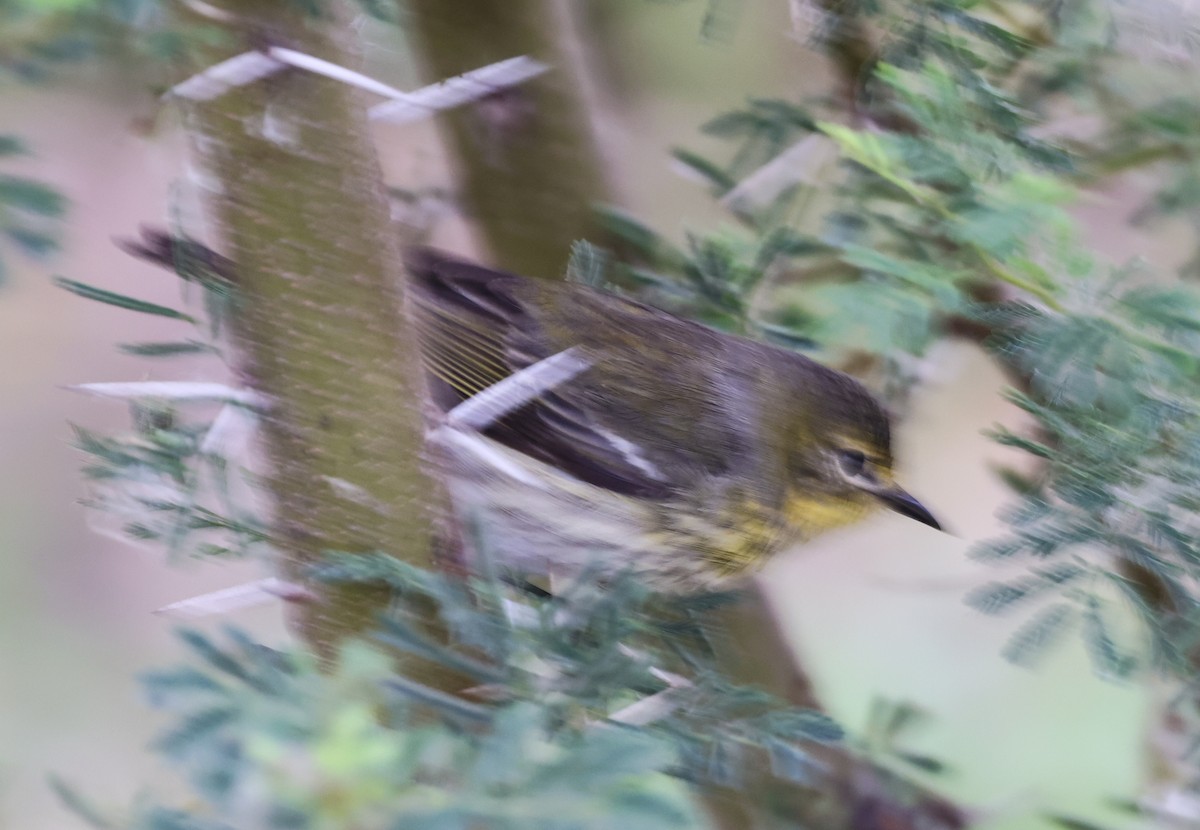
[811, 514]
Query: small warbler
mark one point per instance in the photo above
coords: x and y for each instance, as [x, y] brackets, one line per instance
[633, 438]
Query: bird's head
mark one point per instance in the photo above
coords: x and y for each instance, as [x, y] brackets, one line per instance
[840, 456]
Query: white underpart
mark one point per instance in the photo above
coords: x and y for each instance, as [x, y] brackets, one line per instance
[631, 453]
[552, 521]
[473, 445]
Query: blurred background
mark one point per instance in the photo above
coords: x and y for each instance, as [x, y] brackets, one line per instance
[876, 609]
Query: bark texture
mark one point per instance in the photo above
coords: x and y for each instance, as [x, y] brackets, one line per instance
[298, 195]
[529, 170]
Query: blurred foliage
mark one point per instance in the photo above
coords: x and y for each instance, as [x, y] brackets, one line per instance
[170, 480]
[29, 209]
[575, 724]
[951, 215]
[974, 128]
[41, 38]
[593, 707]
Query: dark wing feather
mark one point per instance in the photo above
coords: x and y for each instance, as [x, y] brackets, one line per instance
[474, 332]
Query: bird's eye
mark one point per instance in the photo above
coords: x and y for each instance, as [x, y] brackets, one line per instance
[852, 462]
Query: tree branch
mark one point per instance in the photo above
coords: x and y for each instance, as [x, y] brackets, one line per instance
[300, 202]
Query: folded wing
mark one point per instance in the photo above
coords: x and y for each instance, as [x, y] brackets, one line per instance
[474, 332]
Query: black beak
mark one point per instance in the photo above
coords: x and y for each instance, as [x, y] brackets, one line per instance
[906, 505]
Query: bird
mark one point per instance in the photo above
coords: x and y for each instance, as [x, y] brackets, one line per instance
[582, 431]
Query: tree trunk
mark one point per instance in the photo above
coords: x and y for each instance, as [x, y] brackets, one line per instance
[299, 198]
[529, 169]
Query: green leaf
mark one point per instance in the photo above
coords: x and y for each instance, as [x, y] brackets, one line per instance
[1096, 634]
[32, 243]
[10, 145]
[786, 336]
[160, 818]
[196, 728]
[865, 148]
[1001, 230]
[724, 763]
[163, 687]
[641, 237]
[936, 280]
[1005, 40]
[168, 349]
[449, 706]
[1033, 638]
[82, 807]
[448, 818]
[616, 753]
[1009, 439]
[120, 300]
[878, 154]
[804, 725]
[642, 809]
[718, 179]
[1020, 482]
[32, 197]
[517, 731]
[925, 763]
[996, 597]
[733, 124]
[787, 242]
[1173, 308]
[105, 449]
[784, 112]
[843, 229]
[216, 658]
[791, 763]
[401, 636]
[870, 315]
[588, 264]
[1069, 823]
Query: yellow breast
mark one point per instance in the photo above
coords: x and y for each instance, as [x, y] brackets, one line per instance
[742, 536]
